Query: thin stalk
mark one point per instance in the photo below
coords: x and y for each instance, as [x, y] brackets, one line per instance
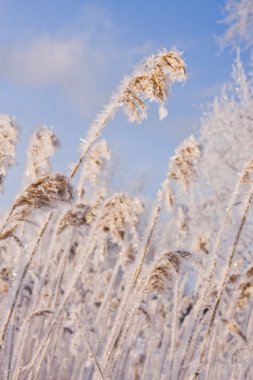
[235, 200]
[34, 304]
[210, 355]
[91, 243]
[92, 353]
[10, 353]
[223, 283]
[5, 324]
[174, 328]
[95, 132]
[130, 292]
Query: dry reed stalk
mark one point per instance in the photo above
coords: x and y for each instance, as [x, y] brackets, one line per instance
[221, 286]
[241, 190]
[165, 276]
[103, 309]
[130, 289]
[146, 371]
[174, 327]
[52, 305]
[34, 310]
[9, 359]
[43, 193]
[6, 319]
[211, 360]
[156, 280]
[92, 354]
[179, 172]
[105, 302]
[91, 243]
[155, 340]
[54, 300]
[83, 334]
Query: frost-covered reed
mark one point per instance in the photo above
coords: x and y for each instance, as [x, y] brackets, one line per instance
[96, 284]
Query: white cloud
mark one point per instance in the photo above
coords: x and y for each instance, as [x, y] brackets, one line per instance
[81, 58]
[44, 60]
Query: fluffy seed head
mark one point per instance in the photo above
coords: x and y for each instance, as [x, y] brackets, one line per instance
[42, 146]
[121, 213]
[164, 269]
[182, 165]
[8, 140]
[80, 215]
[152, 81]
[46, 192]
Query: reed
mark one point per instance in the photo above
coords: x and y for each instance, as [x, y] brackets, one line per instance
[96, 284]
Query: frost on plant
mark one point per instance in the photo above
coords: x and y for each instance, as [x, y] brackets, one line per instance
[102, 285]
[239, 19]
[8, 140]
[42, 146]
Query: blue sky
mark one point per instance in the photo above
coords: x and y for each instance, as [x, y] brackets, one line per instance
[61, 60]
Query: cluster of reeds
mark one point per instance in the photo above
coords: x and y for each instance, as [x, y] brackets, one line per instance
[94, 285]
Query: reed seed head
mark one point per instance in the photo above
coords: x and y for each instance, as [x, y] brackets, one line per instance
[121, 213]
[182, 165]
[165, 268]
[152, 82]
[8, 140]
[79, 216]
[42, 146]
[46, 192]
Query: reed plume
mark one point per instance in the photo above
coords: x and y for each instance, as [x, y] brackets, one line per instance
[163, 271]
[8, 139]
[46, 192]
[121, 214]
[182, 164]
[42, 146]
[78, 216]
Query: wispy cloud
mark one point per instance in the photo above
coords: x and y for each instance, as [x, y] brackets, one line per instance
[43, 60]
[73, 58]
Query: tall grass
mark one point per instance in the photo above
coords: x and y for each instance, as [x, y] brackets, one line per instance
[96, 285]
